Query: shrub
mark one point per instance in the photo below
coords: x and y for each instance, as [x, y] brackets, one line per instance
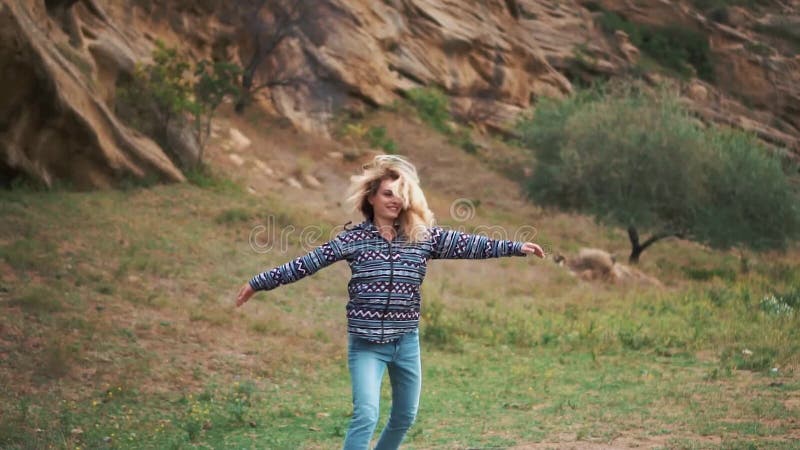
[674, 47]
[377, 138]
[432, 106]
[171, 90]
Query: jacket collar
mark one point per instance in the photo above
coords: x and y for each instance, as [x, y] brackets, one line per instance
[369, 225]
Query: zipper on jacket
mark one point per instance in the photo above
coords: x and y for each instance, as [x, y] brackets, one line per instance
[388, 297]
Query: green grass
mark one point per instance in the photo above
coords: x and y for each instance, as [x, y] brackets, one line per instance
[118, 332]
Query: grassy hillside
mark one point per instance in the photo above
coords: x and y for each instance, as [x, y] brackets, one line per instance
[117, 326]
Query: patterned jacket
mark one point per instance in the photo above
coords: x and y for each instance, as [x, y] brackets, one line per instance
[384, 287]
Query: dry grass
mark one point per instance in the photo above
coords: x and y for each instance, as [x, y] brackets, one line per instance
[131, 293]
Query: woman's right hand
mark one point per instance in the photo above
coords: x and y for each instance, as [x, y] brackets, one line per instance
[244, 294]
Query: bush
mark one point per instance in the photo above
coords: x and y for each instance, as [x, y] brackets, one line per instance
[377, 138]
[674, 47]
[170, 91]
[432, 106]
[628, 158]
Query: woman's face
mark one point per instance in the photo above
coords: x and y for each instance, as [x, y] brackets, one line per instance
[385, 203]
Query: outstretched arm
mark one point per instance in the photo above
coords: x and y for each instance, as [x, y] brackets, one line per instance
[451, 244]
[294, 270]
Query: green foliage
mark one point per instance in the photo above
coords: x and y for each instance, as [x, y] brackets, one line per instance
[703, 274]
[214, 81]
[527, 360]
[164, 82]
[772, 304]
[38, 300]
[233, 215]
[170, 91]
[675, 47]
[462, 138]
[633, 158]
[785, 303]
[202, 176]
[432, 106]
[376, 135]
[439, 331]
[758, 359]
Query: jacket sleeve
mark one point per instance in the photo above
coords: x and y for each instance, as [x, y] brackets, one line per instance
[303, 266]
[451, 244]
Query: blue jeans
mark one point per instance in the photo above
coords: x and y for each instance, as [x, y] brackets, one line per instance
[367, 362]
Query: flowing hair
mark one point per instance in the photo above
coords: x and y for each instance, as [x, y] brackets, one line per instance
[415, 217]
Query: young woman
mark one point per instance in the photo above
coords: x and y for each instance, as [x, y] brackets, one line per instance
[388, 253]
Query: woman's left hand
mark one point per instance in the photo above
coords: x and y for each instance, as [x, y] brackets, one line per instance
[530, 247]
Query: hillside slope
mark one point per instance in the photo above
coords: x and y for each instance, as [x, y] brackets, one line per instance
[118, 330]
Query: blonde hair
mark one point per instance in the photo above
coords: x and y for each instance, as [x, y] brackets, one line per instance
[415, 217]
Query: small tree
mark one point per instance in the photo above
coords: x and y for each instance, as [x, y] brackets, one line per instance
[642, 161]
[267, 24]
[159, 93]
[170, 91]
[214, 81]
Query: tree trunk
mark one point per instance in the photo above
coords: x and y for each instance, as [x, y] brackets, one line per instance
[637, 248]
[247, 84]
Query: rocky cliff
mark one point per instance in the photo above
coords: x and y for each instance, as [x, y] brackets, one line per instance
[62, 59]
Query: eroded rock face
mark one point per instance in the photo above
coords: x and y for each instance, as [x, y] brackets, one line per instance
[756, 73]
[55, 123]
[348, 52]
[61, 60]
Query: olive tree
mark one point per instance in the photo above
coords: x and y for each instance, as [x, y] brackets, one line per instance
[642, 161]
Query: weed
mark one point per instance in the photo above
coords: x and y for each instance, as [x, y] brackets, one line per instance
[203, 176]
[678, 48]
[532, 355]
[432, 106]
[758, 359]
[38, 300]
[778, 305]
[462, 138]
[30, 254]
[704, 274]
[231, 216]
[376, 136]
[438, 330]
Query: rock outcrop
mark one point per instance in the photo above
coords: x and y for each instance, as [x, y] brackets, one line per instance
[480, 53]
[58, 66]
[61, 61]
[756, 65]
[593, 264]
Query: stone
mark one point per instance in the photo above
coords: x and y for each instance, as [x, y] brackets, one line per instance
[236, 159]
[238, 140]
[698, 92]
[312, 181]
[292, 181]
[57, 123]
[260, 165]
[493, 59]
[628, 50]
